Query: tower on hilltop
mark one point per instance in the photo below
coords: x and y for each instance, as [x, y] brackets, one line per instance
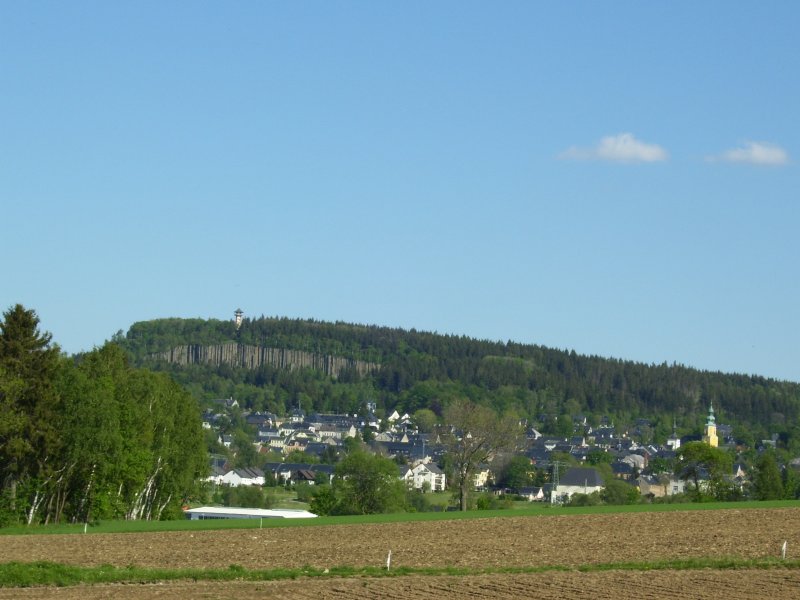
[237, 318]
[710, 433]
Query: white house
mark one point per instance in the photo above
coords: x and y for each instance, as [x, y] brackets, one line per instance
[246, 476]
[577, 480]
[532, 494]
[482, 477]
[416, 477]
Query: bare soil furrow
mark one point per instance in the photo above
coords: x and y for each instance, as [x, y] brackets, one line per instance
[623, 585]
[570, 540]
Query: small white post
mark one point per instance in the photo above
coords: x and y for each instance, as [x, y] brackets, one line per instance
[783, 550]
[85, 525]
[261, 523]
[389, 561]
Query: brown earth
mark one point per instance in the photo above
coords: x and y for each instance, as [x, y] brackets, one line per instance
[776, 584]
[568, 540]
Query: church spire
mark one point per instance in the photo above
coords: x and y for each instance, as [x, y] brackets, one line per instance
[711, 419]
[710, 434]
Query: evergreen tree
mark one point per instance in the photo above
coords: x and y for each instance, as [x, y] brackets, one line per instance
[29, 409]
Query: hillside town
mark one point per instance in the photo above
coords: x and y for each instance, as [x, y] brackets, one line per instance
[302, 448]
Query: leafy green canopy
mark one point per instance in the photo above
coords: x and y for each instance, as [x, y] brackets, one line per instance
[706, 468]
[364, 484]
[91, 439]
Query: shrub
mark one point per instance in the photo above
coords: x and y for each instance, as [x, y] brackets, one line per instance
[417, 501]
[592, 499]
[619, 492]
[304, 491]
[491, 502]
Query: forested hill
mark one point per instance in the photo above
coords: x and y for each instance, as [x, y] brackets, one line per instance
[277, 363]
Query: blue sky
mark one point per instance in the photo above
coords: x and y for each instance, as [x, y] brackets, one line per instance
[616, 178]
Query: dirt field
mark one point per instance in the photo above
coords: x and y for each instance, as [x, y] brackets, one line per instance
[512, 541]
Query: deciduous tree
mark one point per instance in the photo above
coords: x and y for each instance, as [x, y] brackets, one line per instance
[517, 473]
[767, 482]
[366, 483]
[696, 461]
[473, 434]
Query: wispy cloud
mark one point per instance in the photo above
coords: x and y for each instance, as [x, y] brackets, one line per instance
[754, 153]
[623, 148]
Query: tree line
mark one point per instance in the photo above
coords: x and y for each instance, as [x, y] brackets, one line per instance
[429, 370]
[90, 437]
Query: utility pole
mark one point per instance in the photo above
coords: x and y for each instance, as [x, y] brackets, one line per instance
[554, 481]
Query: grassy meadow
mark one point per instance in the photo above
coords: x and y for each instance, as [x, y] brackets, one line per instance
[520, 509]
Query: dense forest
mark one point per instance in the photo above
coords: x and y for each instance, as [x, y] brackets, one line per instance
[409, 370]
[90, 437]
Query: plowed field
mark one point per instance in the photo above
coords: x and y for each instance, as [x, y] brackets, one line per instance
[568, 540]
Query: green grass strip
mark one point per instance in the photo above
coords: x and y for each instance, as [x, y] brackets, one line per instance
[42, 573]
[532, 511]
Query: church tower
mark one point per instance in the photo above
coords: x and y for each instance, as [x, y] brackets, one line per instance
[673, 441]
[710, 435]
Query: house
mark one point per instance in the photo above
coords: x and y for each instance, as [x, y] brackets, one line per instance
[578, 441]
[538, 456]
[413, 452]
[321, 448]
[228, 403]
[531, 494]
[533, 434]
[659, 486]
[289, 428]
[673, 442]
[215, 475]
[623, 470]
[637, 461]
[424, 473]
[244, 476]
[267, 434]
[295, 445]
[295, 472]
[305, 476]
[482, 477]
[218, 466]
[258, 420]
[328, 430]
[578, 480]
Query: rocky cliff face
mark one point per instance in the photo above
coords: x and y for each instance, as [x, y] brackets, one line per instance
[253, 357]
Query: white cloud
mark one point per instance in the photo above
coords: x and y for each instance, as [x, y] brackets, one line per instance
[754, 153]
[624, 148]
